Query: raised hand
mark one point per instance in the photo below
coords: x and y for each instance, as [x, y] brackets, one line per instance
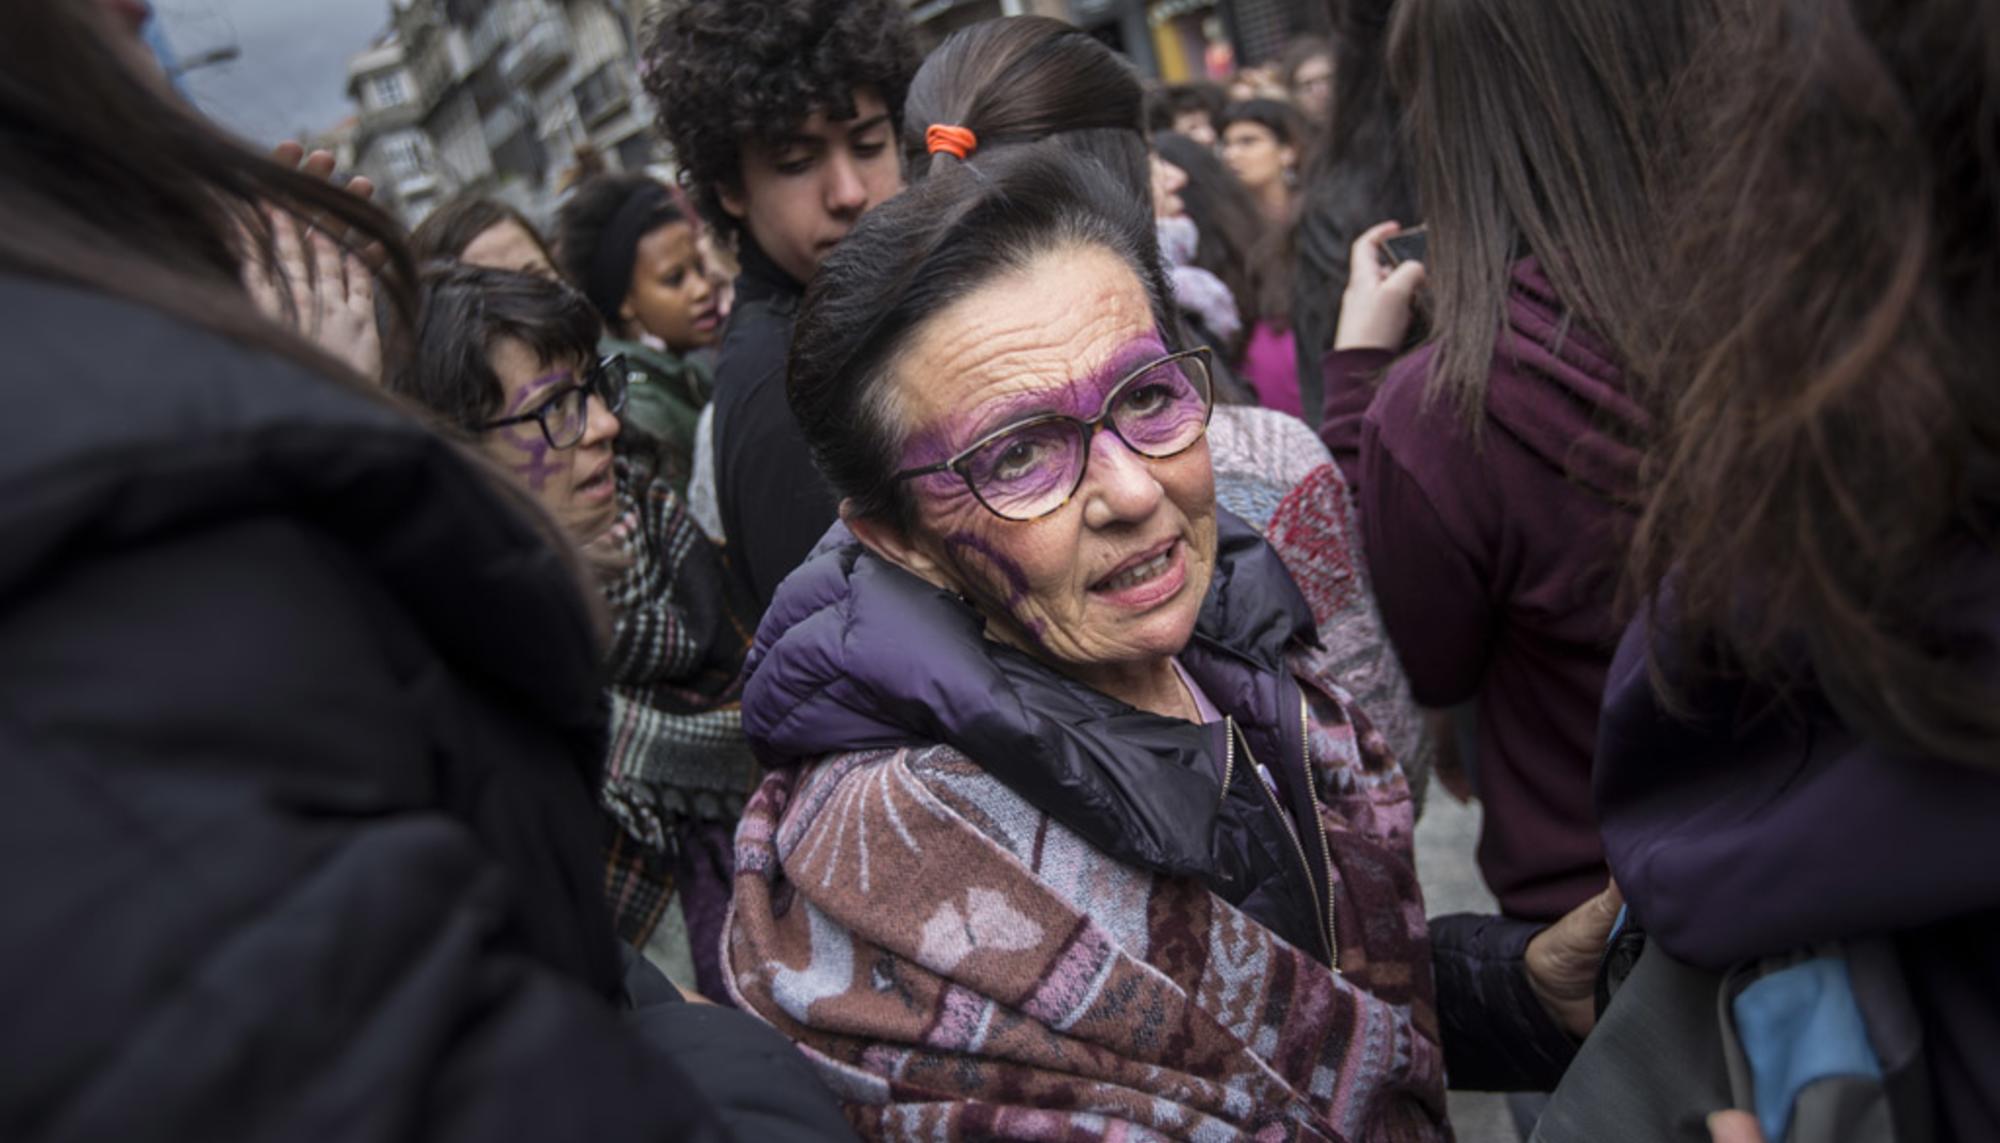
[1375, 310]
[311, 282]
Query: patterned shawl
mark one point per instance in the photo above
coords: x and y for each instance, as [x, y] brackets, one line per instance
[1041, 990]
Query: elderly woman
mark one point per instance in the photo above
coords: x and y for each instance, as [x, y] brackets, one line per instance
[1070, 830]
[1006, 83]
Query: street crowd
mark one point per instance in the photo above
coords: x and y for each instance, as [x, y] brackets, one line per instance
[939, 621]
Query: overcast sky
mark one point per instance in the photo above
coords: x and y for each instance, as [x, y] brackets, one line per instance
[293, 71]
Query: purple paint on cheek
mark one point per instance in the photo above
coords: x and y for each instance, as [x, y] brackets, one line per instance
[1017, 579]
[528, 437]
[1081, 397]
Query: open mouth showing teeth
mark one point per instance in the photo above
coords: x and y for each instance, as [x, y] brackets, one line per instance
[1143, 573]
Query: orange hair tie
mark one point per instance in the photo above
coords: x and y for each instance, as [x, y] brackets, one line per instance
[958, 142]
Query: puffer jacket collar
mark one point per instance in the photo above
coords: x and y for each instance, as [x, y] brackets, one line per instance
[857, 654]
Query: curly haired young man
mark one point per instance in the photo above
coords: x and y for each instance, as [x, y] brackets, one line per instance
[784, 116]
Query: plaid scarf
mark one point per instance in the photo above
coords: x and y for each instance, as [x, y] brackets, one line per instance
[677, 749]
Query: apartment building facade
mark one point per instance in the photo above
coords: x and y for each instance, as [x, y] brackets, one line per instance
[495, 97]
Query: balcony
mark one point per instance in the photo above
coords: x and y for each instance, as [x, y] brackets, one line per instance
[602, 94]
[543, 48]
[502, 124]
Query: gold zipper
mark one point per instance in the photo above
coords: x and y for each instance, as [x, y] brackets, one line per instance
[1319, 827]
[1298, 847]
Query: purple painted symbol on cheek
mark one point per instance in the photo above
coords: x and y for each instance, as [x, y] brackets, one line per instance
[1011, 572]
[529, 438]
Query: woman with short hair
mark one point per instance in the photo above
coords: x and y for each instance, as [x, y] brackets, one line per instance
[513, 362]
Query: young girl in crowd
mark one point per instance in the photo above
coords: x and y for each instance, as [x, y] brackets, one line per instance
[634, 251]
[1492, 466]
[512, 360]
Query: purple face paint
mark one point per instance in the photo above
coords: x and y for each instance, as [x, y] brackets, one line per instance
[1081, 398]
[528, 436]
[1017, 580]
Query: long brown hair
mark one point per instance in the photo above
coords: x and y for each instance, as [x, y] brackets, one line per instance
[1827, 465]
[109, 183]
[1535, 128]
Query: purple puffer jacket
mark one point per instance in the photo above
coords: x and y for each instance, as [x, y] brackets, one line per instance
[857, 654]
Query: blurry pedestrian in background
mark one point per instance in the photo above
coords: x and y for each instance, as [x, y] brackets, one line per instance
[628, 245]
[1308, 72]
[1356, 177]
[1263, 141]
[481, 231]
[1196, 108]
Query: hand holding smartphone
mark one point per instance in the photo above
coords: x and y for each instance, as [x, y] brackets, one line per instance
[1407, 246]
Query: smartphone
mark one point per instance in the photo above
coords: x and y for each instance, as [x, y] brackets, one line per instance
[1408, 245]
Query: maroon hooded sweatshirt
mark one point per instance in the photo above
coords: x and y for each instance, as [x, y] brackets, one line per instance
[1494, 559]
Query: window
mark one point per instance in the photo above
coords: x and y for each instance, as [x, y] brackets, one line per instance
[635, 153]
[600, 94]
[389, 89]
[405, 154]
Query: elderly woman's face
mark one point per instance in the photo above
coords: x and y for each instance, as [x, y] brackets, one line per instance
[1113, 578]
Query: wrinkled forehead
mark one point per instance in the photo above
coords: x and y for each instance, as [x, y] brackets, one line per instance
[1052, 337]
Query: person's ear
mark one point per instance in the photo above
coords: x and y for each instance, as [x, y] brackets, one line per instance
[734, 202]
[887, 540]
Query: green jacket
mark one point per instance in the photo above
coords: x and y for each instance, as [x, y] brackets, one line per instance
[667, 396]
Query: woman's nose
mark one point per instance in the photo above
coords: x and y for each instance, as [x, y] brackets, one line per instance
[601, 423]
[1119, 486]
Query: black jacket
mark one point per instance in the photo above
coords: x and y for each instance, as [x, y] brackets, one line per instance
[301, 731]
[775, 505]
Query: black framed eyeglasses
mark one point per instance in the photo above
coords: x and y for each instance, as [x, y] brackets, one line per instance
[1031, 468]
[564, 415]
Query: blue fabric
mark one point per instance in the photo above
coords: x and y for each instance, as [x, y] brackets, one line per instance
[1797, 1027]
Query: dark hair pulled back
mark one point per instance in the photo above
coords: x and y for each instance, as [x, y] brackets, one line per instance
[1025, 79]
[916, 255]
[599, 229]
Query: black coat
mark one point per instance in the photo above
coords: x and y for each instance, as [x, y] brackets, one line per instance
[774, 503]
[301, 733]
